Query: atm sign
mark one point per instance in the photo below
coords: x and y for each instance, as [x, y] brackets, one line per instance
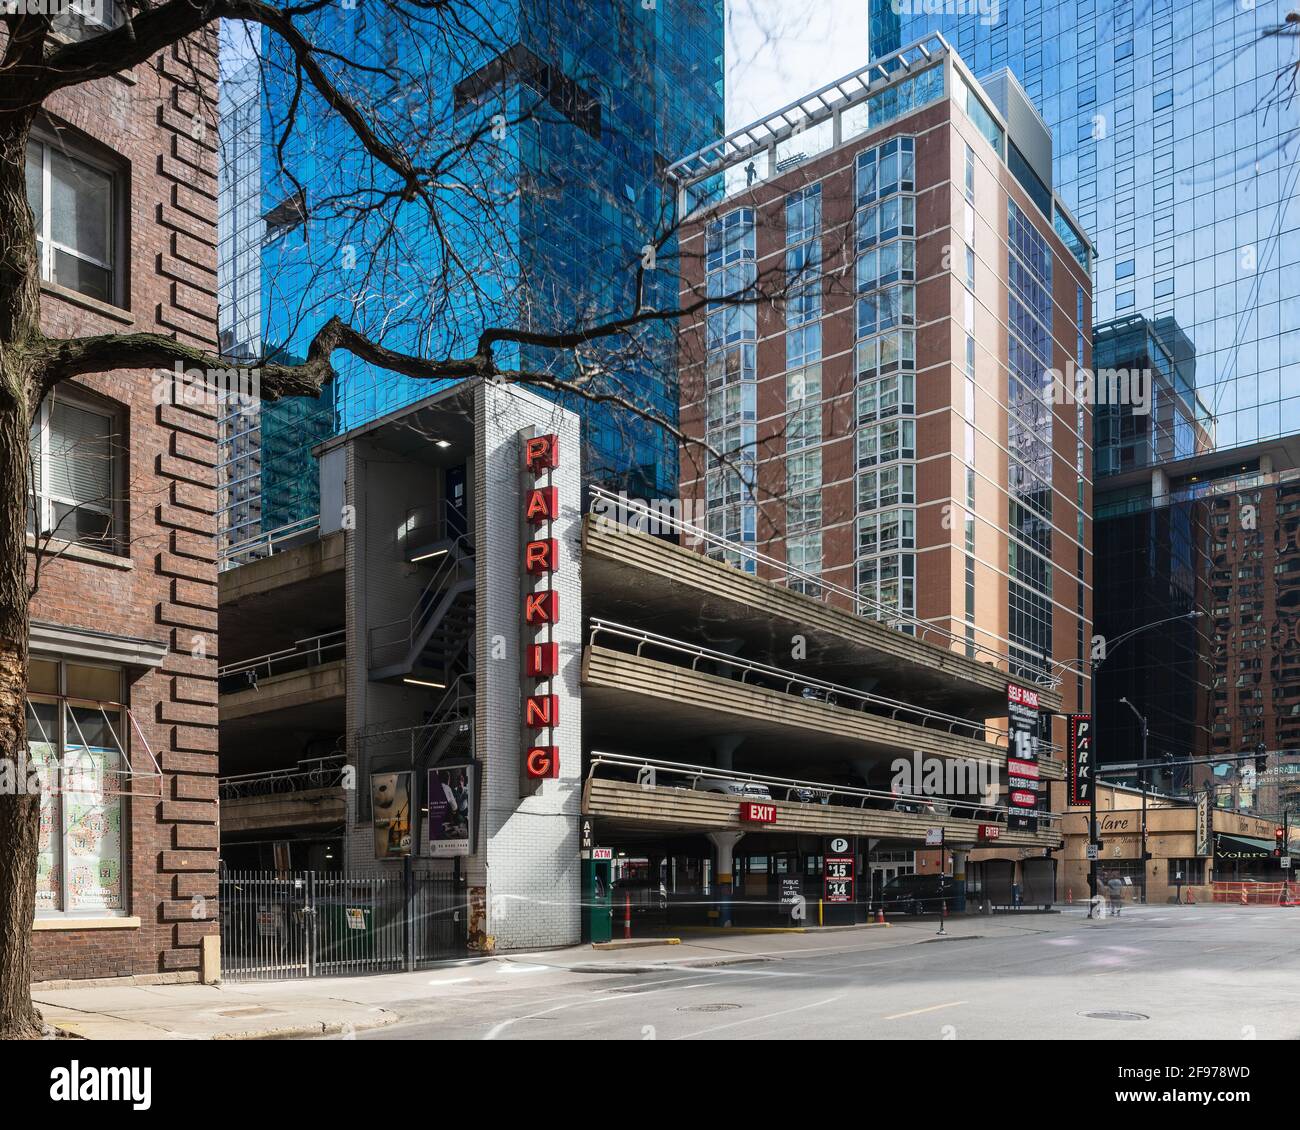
[751, 812]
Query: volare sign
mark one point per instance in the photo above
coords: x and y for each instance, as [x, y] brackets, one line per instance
[751, 812]
[541, 606]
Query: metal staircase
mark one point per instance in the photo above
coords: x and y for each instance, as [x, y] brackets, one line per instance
[434, 644]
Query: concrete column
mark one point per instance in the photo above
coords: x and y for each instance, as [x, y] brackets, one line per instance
[724, 844]
[959, 879]
[724, 748]
[1159, 486]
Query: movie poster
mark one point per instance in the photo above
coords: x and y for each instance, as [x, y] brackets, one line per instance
[450, 823]
[390, 809]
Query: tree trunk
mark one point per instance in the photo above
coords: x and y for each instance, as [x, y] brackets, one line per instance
[19, 809]
[19, 394]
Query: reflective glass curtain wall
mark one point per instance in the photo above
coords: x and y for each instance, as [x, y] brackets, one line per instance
[1176, 151]
[600, 97]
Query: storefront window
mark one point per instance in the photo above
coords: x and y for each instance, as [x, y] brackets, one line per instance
[75, 740]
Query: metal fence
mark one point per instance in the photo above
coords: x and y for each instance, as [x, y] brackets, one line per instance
[276, 926]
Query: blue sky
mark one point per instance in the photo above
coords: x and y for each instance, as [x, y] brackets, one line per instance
[778, 50]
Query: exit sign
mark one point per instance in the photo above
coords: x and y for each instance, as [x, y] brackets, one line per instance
[751, 812]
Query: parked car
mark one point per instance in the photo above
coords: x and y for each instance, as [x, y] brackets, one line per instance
[744, 790]
[820, 694]
[917, 894]
[805, 795]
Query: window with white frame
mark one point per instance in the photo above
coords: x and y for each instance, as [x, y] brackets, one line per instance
[734, 404]
[804, 552]
[886, 396]
[884, 354]
[803, 472]
[885, 442]
[75, 200]
[85, 19]
[76, 479]
[76, 730]
[887, 486]
[887, 220]
[889, 529]
[803, 420]
[884, 309]
[889, 263]
[887, 584]
[730, 366]
[803, 511]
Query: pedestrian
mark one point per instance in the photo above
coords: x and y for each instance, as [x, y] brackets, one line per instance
[1115, 890]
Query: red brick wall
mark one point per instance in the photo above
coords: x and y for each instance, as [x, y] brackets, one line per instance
[168, 594]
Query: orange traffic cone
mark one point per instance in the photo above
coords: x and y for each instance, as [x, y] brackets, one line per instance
[1069, 896]
[880, 915]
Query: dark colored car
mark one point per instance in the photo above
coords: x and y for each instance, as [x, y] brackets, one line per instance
[918, 894]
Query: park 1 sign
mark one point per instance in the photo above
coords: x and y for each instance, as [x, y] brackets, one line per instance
[541, 607]
[1079, 760]
[1022, 757]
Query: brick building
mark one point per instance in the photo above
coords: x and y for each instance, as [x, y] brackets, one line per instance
[896, 445]
[122, 180]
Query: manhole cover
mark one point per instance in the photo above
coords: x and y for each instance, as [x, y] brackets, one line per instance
[1115, 1015]
[708, 1007]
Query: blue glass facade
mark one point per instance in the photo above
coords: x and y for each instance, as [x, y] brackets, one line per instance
[1175, 149]
[575, 109]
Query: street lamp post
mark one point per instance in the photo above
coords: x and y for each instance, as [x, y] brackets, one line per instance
[1142, 783]
[1094, 663]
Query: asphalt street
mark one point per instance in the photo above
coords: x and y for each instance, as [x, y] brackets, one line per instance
[1157, 972]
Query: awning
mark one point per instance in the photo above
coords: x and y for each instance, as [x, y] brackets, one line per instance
[59, 642]
[1241, 847]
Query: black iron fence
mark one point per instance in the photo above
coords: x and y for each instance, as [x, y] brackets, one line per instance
[331, 923]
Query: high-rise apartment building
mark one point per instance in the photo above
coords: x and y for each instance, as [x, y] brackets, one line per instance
[578, 109]
[894, 301]
[1174, 145]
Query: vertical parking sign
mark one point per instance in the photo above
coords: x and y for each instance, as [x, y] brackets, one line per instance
[1022, 757]
[1079, 757]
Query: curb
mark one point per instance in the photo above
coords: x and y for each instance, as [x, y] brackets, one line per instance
[635, 943]
[322, 1028]
[660, 966]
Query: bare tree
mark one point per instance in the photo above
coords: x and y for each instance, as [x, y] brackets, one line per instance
[454, 307]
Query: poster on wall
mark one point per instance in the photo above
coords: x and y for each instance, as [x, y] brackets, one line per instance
[449, 826]
[390, 801]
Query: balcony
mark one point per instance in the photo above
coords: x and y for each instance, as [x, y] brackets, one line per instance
[308, 796]
[645, 690]
[633, 794]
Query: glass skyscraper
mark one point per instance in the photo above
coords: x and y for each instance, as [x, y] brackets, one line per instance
[1176, 149]
[573, 110]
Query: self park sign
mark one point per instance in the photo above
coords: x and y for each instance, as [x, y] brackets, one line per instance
[541, 607]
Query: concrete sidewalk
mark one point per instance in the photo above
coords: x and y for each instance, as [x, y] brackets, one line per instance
[345, 1005]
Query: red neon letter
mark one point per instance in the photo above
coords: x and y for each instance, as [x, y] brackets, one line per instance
[541, 607]
[541, 556]
[543, 660]
[541, 711]
[542, 761]
[542, 506]
[541, 453]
